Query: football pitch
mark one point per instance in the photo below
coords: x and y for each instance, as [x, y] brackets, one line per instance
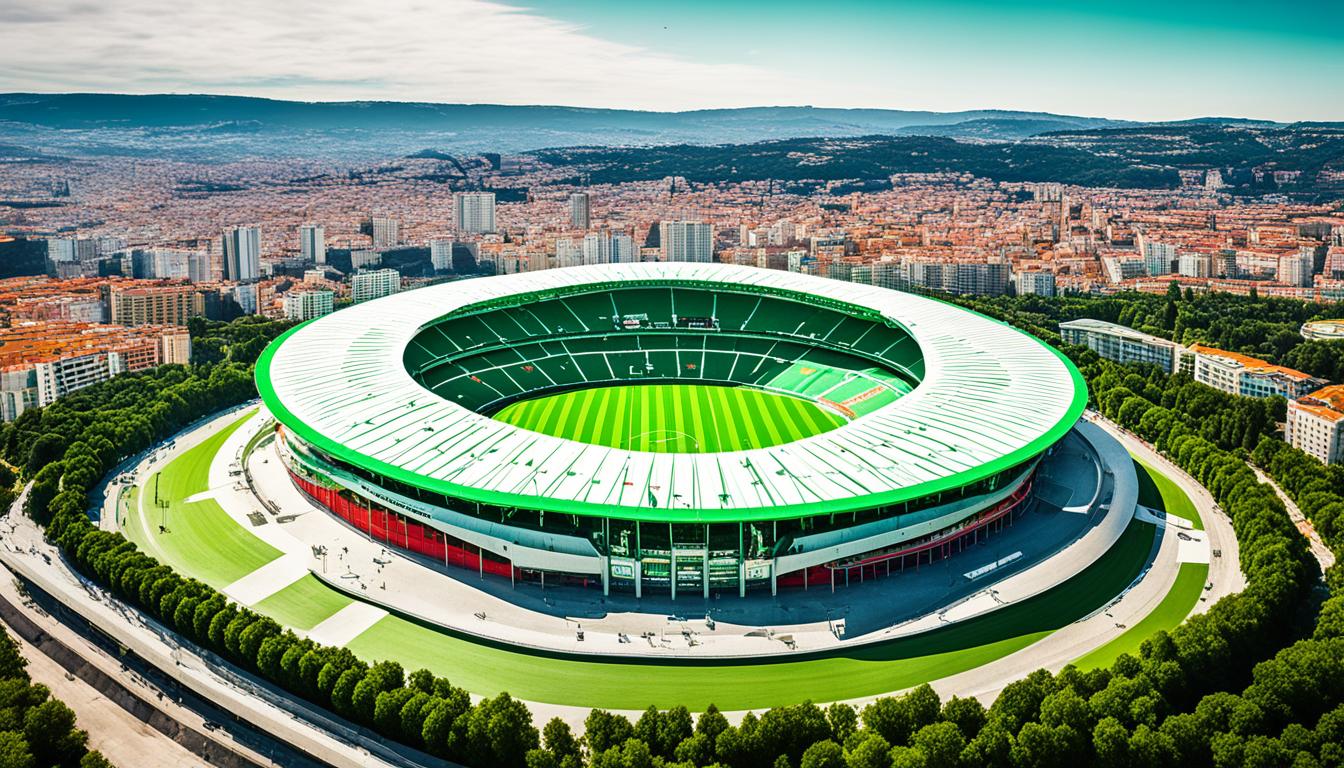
[673, 418]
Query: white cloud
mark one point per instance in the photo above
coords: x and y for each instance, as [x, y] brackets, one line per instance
[416, 50]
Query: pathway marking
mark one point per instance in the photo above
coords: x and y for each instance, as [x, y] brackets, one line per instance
[346, 624]
[268, 579]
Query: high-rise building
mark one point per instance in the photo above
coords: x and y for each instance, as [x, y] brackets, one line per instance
[1158, 257]
[1031, 283]
[1297, 268]
[475, 212]
[175, 347]
[982, 278]
[441, 255]
[308, 304]
[62, 250]
[606, 248]
[385, 231]
[200, 267]
[313, 243]
[242, 254]
[159, 264]
[1316, 424]
[374, 284]
[686, 241]
[1195, 265]
[580, 210]
[1121, 343]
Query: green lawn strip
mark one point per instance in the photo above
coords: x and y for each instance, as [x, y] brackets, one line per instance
[1180, 600]
[303, 604]
[201, 541]
[861, 671]
[1158, 491]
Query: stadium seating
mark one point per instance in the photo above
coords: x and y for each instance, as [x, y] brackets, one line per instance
[485, 359]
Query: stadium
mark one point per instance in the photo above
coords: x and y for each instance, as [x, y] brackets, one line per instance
[667, 428]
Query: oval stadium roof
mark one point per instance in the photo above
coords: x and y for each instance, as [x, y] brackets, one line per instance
[991, 397]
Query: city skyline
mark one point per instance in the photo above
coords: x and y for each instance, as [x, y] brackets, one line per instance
[1143, 60]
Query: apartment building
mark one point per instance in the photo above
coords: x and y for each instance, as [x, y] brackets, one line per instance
[158, 305]
[1239, 374]
[374, 284]
[307, 304]
[1316, 424]
[1033, 283]
[42, 362]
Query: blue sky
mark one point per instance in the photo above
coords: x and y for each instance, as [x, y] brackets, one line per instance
[1141, 59]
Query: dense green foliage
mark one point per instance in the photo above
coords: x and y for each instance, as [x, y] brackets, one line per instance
[35, 729]
[869, 157]
[1268, 328]
[1146, 157]
[1213, 691]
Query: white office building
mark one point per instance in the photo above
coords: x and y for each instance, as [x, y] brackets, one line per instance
[363, 258]
[475, 212]
[686, 241]
[313, 243]
[1122, 344]
[374, 284]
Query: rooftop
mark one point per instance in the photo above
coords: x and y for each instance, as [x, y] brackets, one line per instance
[992, 397]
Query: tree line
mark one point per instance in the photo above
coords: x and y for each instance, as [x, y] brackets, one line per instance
[1253, 678]
[35, 728]
[1264, 327]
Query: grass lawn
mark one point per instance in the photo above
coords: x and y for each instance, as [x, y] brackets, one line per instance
[1174, 608]
[201, 541]
[303, 604]
[863, 671]
[1158, 491]
[673, 418]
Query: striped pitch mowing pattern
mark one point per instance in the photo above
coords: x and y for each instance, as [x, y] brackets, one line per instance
[673, 418]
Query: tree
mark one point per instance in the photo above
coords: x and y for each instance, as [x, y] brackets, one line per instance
[603, 730]
[14, 751]
[941, 744]
[872, 751]
[823, 754]
[50, 729]
[560, 742]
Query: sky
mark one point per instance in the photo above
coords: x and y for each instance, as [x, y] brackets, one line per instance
[1142, 59]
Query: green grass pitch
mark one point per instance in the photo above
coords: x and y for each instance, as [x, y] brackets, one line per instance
[673, 418]
[201, 540]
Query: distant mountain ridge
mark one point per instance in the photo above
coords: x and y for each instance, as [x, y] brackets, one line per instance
[81, 110]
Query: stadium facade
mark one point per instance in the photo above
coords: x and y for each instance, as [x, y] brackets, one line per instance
[384, 413]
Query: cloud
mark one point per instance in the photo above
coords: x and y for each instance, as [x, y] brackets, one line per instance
[421, 50]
